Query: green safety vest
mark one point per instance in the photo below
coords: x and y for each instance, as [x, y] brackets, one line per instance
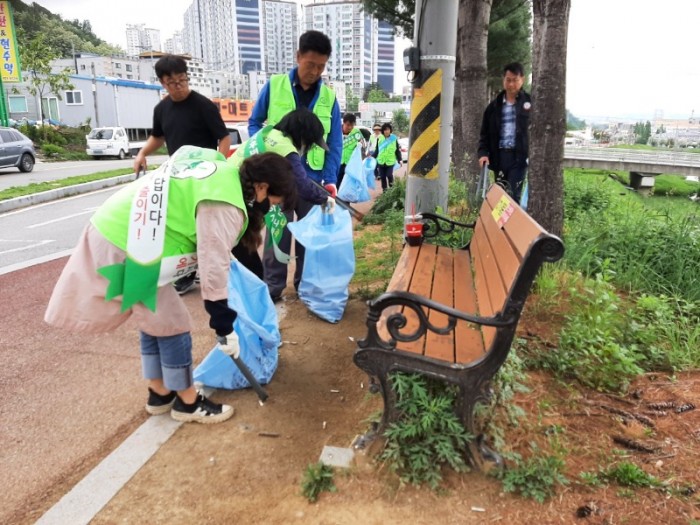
[387, 154]
[282, 101]
[193, 175]
[267, 139]
[350, 142]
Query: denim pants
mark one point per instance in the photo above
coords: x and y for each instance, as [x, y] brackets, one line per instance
[168, 358]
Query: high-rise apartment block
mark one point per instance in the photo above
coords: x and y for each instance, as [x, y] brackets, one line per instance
[246, 36]
[140, 39]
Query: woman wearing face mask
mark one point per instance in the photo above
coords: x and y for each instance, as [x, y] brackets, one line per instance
[291, 137]
[191, 211]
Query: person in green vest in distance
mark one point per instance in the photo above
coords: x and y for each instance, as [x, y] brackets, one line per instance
[187, 214]
[301, 87]
[388, 154]
[291, 137]
[351, 138]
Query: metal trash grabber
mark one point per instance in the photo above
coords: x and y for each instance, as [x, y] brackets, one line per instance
[262, 395]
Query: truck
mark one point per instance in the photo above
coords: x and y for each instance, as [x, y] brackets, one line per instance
[111, 142]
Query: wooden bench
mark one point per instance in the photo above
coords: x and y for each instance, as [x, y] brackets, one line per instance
[451, 314]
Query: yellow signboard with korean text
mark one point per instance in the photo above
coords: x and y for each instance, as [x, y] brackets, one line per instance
[9, 51]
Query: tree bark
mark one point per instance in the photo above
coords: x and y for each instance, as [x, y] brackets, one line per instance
[548, 119]
[470, 88]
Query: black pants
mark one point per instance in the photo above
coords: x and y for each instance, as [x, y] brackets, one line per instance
[250, 260]
[513, 174]
[386, 173]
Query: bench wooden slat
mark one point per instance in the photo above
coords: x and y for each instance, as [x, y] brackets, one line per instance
[508, 259]
[520, 227]
[421, 284]
[469, 343]
[400, 280]
[480, 253]
[441, 346]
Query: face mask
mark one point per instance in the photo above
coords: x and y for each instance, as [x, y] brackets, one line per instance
[262, 207]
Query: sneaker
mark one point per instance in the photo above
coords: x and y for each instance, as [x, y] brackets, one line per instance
[185, 284]
[159, 404]
[201, 411]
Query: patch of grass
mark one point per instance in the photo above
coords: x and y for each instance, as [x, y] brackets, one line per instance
[318, 478]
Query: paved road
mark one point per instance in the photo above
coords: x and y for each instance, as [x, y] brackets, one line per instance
[48, 171]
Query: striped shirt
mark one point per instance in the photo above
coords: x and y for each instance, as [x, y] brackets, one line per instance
[507, 132]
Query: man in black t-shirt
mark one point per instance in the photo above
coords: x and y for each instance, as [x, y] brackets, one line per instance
[183, 118]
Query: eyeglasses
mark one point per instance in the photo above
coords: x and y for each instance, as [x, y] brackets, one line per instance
[177, 83]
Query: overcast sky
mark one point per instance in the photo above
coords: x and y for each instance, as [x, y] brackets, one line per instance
[626, 58]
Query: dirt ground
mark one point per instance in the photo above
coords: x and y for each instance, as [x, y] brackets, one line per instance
[235, 473]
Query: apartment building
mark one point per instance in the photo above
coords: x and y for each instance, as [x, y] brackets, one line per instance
[140, 38]
[280, 29]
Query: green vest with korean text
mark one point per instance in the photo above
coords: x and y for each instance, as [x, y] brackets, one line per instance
[350, 142]
[268, 139]
[190, 182]
[282, 102]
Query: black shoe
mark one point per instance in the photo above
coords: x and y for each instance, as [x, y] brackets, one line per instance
[185, 284]
[201, 411]
[159, 404]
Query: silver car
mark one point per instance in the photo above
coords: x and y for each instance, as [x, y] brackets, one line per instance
[16, 150]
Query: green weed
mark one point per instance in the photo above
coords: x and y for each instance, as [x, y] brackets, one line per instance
[535, 477]
[318, 478]
[428, 434]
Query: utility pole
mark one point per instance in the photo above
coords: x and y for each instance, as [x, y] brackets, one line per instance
[435, 37]
[94, 94]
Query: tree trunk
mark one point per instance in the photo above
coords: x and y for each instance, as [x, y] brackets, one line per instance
[470, 88]
[548, 120]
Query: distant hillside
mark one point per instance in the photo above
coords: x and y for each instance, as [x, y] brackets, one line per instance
[65, 36]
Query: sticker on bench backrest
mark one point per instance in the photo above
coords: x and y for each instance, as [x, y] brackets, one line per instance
[502, 211]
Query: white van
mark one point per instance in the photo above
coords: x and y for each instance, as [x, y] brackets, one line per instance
[111, 142]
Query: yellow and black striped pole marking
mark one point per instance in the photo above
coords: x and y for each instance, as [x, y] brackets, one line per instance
[425, 125]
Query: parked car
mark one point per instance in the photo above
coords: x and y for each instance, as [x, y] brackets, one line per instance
[16, 150]
[239, 134]
[403, 146]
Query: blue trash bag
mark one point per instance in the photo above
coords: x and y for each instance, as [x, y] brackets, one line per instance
[354, 185]
[368, 166]
[329, 263]
[257, 327]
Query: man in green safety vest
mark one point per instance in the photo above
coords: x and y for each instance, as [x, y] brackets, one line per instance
[302, 86]
[351, 138]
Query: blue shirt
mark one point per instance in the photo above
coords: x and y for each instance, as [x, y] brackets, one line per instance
[329, 173]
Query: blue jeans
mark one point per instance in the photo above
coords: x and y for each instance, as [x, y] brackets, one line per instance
[167, 358]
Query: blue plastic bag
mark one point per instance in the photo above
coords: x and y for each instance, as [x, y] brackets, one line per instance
[329, 263]
[354, 185]
[524, 196]
[257, 327]
[368, 166]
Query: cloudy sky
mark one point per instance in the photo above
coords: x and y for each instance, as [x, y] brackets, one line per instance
[626, 58]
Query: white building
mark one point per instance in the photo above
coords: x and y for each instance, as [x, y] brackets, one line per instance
[173, 45]
[354, 36]
[140, 38]
[280, 29]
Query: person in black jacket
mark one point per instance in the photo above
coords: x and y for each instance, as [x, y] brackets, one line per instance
[503, 144]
